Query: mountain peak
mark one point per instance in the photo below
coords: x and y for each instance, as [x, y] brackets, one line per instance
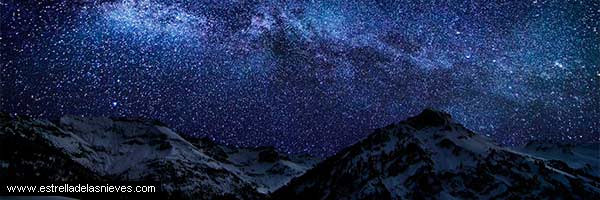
[429, 118]
[430, 156]
[105, 149]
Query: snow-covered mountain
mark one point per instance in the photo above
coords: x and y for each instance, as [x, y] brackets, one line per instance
[430, 156]
[266, 168]
[583, 158]
[123, 149]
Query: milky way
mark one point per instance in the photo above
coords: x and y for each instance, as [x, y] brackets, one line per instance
[308, 76]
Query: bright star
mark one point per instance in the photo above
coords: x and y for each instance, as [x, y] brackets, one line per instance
[559, 65]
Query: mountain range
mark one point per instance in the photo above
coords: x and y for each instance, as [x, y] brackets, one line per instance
[75, 149]
[429, 156]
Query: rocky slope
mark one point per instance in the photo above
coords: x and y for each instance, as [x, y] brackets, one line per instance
[430, 156]
[266, 168]
[80, 149]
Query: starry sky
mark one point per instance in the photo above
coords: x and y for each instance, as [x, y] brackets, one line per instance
[308, 76]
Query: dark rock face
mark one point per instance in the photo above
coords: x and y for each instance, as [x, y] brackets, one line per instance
[268, 155]
[429, 118]
[431, 157]
[26, 157]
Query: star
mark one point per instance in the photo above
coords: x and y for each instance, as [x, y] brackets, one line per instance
[307, 76]
[559, 65]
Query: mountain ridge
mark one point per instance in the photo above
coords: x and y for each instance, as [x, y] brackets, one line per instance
[103, 149]
[430, 156]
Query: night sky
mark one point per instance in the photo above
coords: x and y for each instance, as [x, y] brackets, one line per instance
[308, 76]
